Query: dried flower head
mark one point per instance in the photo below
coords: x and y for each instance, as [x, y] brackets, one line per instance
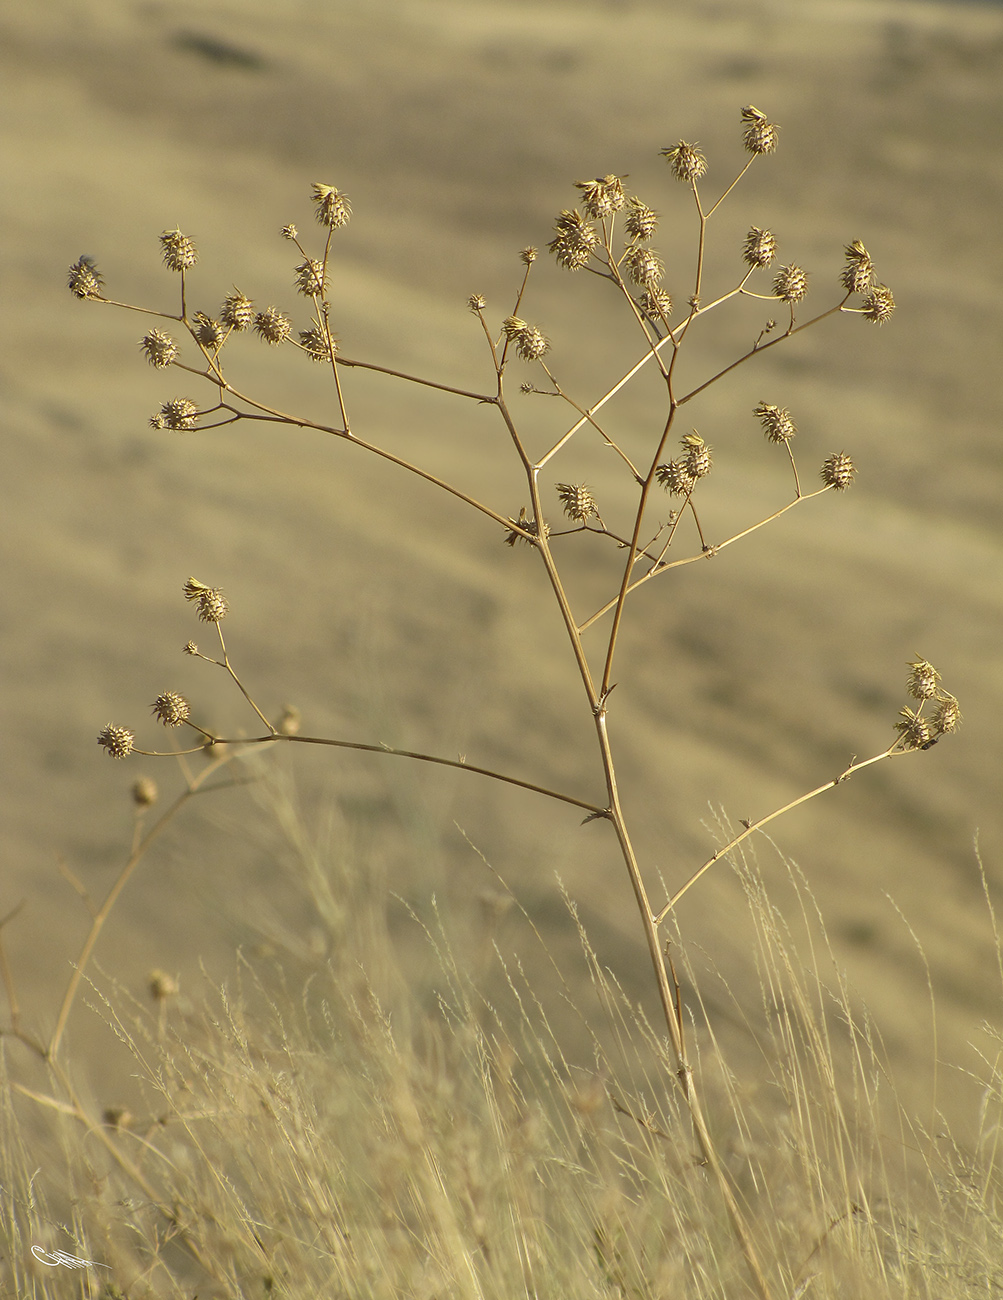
[878, 304]
[947, 717]
[914, 730]
[162, 986]
[790, 283]
[656, 304]
[237, 312]
[273, 325]
[530, 343]
[686, 161]
[578, 502]
[160, 349]
[179, 413]
[477, 302]
[859, 269]
[190, 649]
[333, 208]
[575, 240]
[526, 525]
[289, 232]
[118, 741]
[211, 604]
[602, 197]
[529, 255]
[760, 247]
[696, 455]
[144, 792]
[760, 136]
[314, 342]
[641, 221]
[675, 478]
[838, 471]
[644, 266]
[923, 680]
[179, 251]
[171, 709]
[777, 422]
[85, 280]
[210, 333]
[311, 278]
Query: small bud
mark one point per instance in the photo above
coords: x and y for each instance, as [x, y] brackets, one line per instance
[923, 680]
[697, 455]
[760, 247]
[642, 221]
[211, 604]
[914, 730]
[85, 280]
[179, 251]
[171, 709]
[311, 278]
[760, 135]
[477, 302]
[530, 343]
[575, 240]
[333, 207]
[209, 332]
[529, 255]
[179, 413]
[160, 349]
[644, 266]
[578, 502]
[686, 160]
[314, 343]
[859, 269]
[118, 741]
[602, 196]
[273, 325]
[777, 423]
[144, 792]
[878, 304]
[675, 478]
[790, 283]
[838, 471]
[289, 232]
[237, 312]
[190, 649]
[161, 985]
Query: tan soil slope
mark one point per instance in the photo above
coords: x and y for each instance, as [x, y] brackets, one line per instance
[385, 613]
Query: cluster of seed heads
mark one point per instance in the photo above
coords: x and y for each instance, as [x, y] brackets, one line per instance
[530, 342]
[602, 197]
[916, 729]
[680, 476]
[179, 413]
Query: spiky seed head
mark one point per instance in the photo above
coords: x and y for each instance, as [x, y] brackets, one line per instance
[602, 197]
[209, 332]
[237, 312]
[644, 266]
[144, 792]
[118, 742]
[696, 455]
[85, 280]
[760, 136]
[159, 349]
[859, 269]
[675, 478]
[656, 304]
[190, 649]
[289, 231]
[528, 526]
[171, 709]
[314, 343]
[760, 247]
[530, 342]
[878, 304]
[641, 221]
[947, 716]
[210, 603]
[790, 283]
[838, 471]
[333, 208]
[578, 502]
[914, 730]
[923, 680]
[575, 240]
[180, 253]
[687, 162]
[311, 278]
[179, 413]
[477, 302]
[273, 326]
[777, 422]
[161, 985]
[529, 255]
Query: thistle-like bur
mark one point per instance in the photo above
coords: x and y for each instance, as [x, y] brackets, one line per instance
[526, 525]
[237, 312]
[923, 680]
[578, 502]
[838, 471]
[859, 269]
[656, 304]
[947, 715]
[790, 284]
[575, 240]
[641, 221]
[760, 135]
[210, 603]
[311, 278]
[528, 255]
[180, 413]
[273, 326]
[180, 253]
[85, 280]
[314, 342]
[778, 425]
[602, 197]
[210, 333]
[530, 342]
[878, 304]
[675, 478]
[118, 742]
[644, 266]
[171, 709]
[333, 208]
[477, 302]
[760, 247]
[686, 161]
[915, 731]
[159, 349]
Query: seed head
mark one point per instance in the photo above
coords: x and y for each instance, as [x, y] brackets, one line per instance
[675, 478]
[209, 332]
[160, 349]
[686, 161]
[644, 266]
[289, 232]
[333, 208]
[838, 471]
[777, 422]
[914, 730]
[697, 455]
[311, 278]
[790, 283]
[171, 709]
[529, 255]
[162, 986]
[878, 304]
[760, 135]
[144, 792]
[528, 526]
[273, 325]
[179, 251]
[641, 221]
[923, 680]
[118, 741]
[947, 716]
[179, 413]
[760, 247]
[859, 269]
[575, 240]
[530, 343]
[211, 604]
[314, 343]
[237, 312]
[477, 302]
[602, 196]
[656, 304]
[85, 280]
[578, 501]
